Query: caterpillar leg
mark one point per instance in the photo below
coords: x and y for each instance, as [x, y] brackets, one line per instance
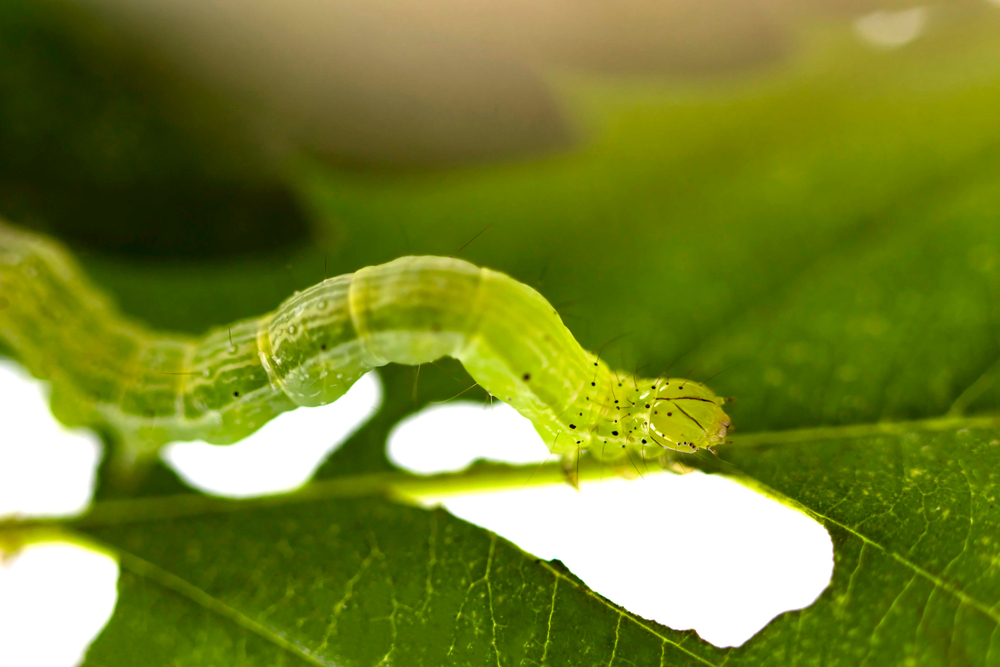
[571, 468]
[672, 463]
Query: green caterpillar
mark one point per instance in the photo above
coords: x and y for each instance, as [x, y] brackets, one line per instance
[146, 388]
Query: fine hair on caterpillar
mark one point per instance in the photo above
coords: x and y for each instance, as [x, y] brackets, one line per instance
[148, 388]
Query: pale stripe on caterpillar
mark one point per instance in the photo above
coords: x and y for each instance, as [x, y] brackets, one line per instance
[149, 388]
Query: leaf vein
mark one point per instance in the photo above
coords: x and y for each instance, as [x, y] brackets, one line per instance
[586, 591]
[146, 570]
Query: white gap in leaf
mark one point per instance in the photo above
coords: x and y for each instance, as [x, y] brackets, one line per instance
[55, 598]
[726, 560]
[891, 29]
[463, 432]
[696, 551]
[283, 454]
[46, 469]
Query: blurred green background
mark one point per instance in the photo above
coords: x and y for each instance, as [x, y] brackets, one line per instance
[800, 198]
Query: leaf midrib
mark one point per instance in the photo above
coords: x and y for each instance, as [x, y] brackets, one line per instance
[481, 477]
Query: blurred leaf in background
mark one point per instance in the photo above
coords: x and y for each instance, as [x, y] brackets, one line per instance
[177, 151]
[749, 189]
[102, 144]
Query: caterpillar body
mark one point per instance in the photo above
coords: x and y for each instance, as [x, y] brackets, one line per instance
[147, 388]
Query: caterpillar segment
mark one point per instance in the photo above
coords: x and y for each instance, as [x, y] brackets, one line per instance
[146, 389]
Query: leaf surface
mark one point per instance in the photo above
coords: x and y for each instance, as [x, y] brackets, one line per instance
[825, 236]
[356, 582]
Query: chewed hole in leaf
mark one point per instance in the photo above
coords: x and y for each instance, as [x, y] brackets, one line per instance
[264, 463]
[693, 551]
[55, 598]
[463, 432]
[45, 468]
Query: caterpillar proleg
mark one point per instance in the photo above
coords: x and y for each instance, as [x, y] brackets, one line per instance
[148, 388]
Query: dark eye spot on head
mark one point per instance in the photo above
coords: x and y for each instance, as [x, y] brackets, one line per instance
[647, 405]
[614, 433]
[593, 384]
[236, 394]
[572, 425]
[670, 414]
[527, 376]
[323, 346]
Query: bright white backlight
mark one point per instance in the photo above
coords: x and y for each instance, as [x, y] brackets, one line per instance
[45, 468]
[693, 551]
[449, 436]
[54, 600]
[283, 454]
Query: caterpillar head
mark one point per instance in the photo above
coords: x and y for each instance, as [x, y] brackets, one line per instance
[685, 416]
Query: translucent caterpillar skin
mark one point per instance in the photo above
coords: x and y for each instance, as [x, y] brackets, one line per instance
[147, 388]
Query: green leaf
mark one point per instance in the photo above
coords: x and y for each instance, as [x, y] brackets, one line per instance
[355, 582]
[912, 510]
[916, 575]
[826, 236]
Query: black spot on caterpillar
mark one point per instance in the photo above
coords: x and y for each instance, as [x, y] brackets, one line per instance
[151, 388]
